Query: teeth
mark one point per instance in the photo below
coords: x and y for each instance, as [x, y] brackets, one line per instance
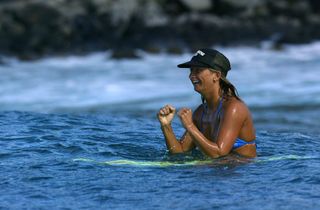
[195, 82]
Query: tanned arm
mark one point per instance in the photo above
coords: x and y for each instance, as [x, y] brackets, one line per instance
[229, 130]
[165, 116]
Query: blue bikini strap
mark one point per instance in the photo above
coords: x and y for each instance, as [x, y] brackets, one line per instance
[217, 119]
[201, 120]
[216, 114]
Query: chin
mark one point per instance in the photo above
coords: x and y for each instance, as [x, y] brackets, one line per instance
[196, 89]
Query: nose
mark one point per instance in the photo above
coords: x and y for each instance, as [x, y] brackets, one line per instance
[192, 74]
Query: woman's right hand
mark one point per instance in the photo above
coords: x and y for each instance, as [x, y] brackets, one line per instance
[166, 114]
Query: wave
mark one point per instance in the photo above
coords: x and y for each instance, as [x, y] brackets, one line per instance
[266, 79]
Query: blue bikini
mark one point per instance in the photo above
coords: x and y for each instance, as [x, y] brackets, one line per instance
[239, 143]
[217, 115]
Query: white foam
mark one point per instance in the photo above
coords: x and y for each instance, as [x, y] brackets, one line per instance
[262, 77]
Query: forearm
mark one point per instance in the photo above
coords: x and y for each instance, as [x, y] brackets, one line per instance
[173, 145]
[209, 148]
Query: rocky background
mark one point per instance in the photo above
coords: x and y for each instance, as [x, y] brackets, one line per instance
[31, 29]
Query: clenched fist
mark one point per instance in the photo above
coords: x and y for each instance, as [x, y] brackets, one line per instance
[166, 114]
[185, 115]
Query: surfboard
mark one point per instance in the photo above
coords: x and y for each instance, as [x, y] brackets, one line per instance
[128, 162]
[140, 163]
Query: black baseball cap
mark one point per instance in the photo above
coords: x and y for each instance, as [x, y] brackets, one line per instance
[208, 58]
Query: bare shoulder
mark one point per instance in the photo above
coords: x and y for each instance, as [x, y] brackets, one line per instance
[235, 106]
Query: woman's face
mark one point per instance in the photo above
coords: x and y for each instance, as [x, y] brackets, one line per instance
[201, 78]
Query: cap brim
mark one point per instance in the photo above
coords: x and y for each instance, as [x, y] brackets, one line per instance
[191, 64]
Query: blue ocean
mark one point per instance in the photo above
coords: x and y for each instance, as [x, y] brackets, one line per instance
[81, 132]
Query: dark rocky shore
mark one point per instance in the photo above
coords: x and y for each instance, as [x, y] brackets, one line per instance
[31, 29]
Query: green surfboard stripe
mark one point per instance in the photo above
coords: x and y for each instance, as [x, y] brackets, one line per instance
[147, 163]
[127, 162]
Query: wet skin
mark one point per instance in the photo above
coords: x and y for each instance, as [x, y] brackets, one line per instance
[236, 121]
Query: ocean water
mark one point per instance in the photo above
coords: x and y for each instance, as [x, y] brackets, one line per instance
[81, 133]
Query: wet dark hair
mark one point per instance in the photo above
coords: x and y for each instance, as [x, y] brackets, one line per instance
[228, 89]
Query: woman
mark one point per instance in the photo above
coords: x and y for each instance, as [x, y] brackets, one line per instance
[222, 124]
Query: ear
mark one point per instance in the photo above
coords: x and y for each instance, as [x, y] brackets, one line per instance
[216, 76]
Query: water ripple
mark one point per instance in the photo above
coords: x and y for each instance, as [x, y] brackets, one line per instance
[37, 162]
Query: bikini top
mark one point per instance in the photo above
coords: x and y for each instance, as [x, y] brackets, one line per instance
[216, 118]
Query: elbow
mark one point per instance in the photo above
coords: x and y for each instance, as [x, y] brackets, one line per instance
[223, 152]
[175, 152]
[214, 156]
[218, 153]
[176, 149]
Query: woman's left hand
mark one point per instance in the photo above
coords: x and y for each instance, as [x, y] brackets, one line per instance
[185, 115]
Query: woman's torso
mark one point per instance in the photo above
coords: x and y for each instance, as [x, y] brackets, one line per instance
[209, 123]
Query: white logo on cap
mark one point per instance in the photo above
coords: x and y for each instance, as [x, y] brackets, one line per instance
[199, 52]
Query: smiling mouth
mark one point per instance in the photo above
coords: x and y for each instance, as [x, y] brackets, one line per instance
[195, 82]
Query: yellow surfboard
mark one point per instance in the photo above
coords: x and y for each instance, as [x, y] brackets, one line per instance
[128, 162]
